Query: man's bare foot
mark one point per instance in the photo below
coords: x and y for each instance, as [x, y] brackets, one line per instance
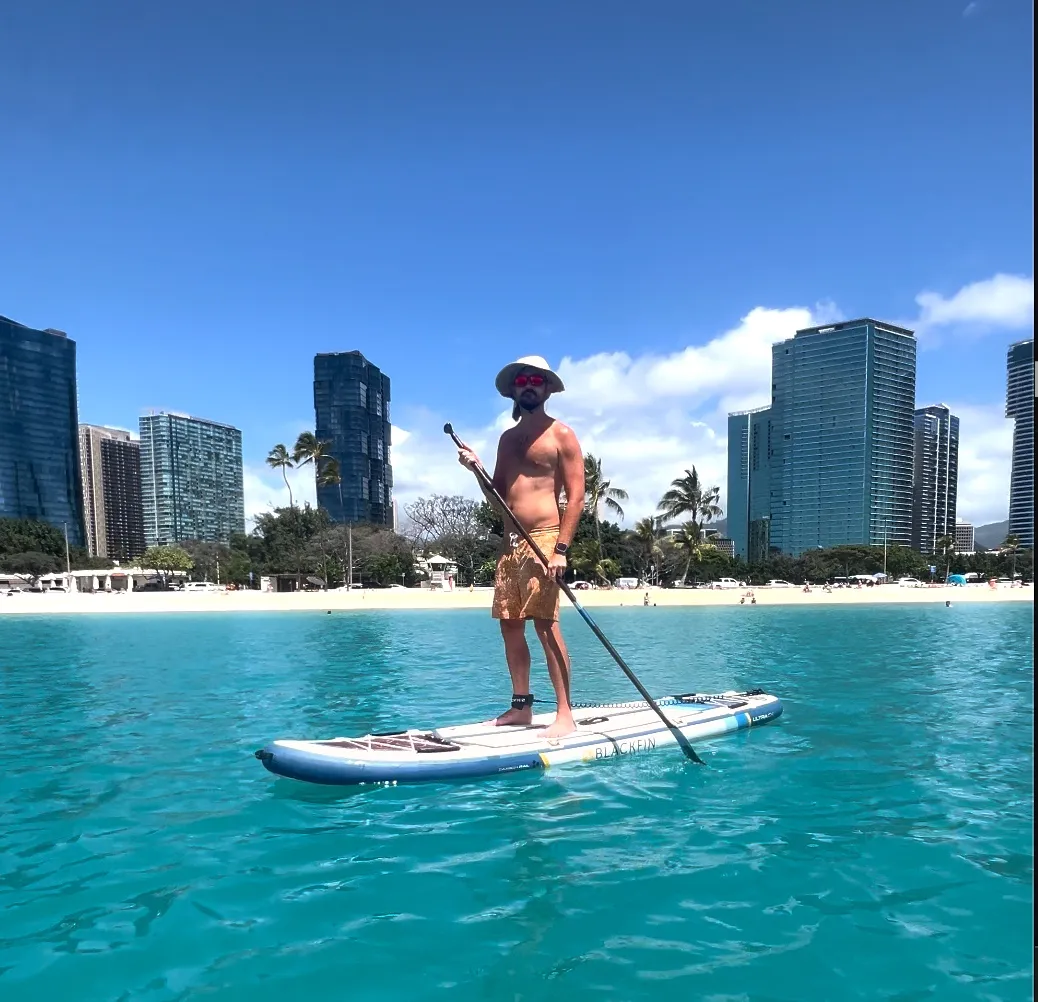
[561, 726]
[515, 718]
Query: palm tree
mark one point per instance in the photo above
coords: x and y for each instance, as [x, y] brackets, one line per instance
[689, 540]
[687, 496]
[1012, 544]
[330, 475]
[598, 492]
[279, 459]
[649, 531]
[946, 547]
[309, 449]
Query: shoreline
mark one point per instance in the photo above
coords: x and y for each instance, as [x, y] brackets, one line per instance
[116, 603]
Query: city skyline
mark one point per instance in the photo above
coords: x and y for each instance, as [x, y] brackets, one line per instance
[303, 480]
[648, 202]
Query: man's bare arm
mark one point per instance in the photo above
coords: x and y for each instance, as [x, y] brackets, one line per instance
[571, 462]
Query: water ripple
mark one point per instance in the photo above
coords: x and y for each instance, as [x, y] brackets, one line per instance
[874, 844]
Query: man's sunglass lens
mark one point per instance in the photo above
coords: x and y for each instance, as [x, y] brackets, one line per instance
[532, 380]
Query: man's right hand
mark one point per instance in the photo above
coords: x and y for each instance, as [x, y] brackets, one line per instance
[468, 458]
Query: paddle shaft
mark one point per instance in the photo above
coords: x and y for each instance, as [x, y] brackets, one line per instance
[488, 485]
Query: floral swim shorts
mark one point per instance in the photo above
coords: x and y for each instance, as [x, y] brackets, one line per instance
[522, 589]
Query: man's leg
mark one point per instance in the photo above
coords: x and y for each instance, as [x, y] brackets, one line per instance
[517, 654]
[556, 655]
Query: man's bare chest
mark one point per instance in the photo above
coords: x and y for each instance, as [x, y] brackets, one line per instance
[531, 455]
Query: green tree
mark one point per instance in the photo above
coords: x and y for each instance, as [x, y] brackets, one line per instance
[279, 459]
[280, 541]
[165, 559]
[584, 558]
[309, 449]
[689, 542]
[210, 561]
[687, 496]
[945, 546]
[31, 564]
[1011, 544]
[330, 475]
[25, 535]
[488, 518]
[649, 534]
[600, 492]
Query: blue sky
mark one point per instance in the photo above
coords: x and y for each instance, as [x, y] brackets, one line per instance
[203, 200]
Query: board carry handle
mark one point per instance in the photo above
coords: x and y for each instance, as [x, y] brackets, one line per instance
[488, 486]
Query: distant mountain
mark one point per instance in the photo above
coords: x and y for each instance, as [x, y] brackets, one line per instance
[991, 535]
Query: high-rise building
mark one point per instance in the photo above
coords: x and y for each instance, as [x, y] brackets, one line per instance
[39, 445]
[351, 405]
[1020, 407]
[191, 479]
[843, 398]
[935, 477]
[749, 501]
[964, 542]
[110, 466]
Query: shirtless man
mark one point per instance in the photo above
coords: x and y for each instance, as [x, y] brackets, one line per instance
[536, 460]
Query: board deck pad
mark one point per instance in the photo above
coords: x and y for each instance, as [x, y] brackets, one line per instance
[485, 749]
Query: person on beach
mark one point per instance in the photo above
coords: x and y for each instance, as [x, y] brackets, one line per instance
[537, 460]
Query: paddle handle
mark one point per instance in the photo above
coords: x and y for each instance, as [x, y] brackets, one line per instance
[488, 485]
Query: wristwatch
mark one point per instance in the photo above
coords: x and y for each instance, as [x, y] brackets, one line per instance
[561, 549]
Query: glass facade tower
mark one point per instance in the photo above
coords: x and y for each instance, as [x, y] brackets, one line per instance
[39, 424]
[191, 480]
[936, 476]
[843, 400]
[749, 488]
[1020, 407]
[351, 405]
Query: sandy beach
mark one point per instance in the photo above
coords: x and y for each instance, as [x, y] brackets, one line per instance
[414, 598]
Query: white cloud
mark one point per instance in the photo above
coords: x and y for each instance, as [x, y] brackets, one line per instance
[265, 489]
[985, 458]
[647, 417]
[1003, 301]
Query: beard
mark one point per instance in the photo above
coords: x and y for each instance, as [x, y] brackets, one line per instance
[528, 401]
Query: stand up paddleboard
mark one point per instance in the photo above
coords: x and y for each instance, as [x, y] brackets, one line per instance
[483, 749]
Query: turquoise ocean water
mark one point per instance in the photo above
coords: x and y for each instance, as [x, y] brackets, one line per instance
[875, 843]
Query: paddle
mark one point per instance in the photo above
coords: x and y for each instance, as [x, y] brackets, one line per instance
[482, 475]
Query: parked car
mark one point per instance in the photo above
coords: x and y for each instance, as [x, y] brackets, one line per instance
[909, 583]
[728, 583]
[779, 583]
[201, 586]
[581, 585]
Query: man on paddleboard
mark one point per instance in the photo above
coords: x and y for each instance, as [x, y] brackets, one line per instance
[537, 460]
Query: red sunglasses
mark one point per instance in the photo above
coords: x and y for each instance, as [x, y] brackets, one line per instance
[531, 380]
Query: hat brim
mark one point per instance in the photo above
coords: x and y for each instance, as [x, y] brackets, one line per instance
[506, 378]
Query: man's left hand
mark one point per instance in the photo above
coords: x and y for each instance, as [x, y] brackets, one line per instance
[557, 566]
